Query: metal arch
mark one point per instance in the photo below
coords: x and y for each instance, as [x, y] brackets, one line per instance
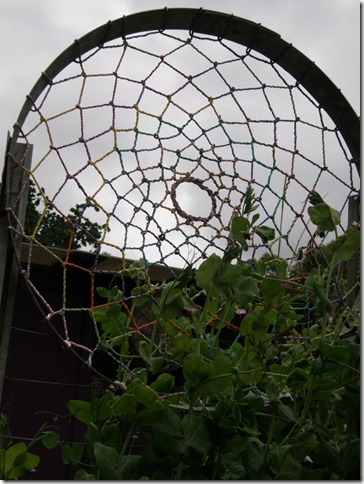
[235, 29]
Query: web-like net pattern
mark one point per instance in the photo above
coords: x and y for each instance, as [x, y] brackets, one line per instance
[158, 136]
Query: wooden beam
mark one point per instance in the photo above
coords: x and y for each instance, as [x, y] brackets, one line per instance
[354, 261]
[14, 194]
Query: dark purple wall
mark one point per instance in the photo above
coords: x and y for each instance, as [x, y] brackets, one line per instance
[42, 375]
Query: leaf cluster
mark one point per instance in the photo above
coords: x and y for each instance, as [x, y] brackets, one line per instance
[16, 460]
[231, 377]
[52, 229]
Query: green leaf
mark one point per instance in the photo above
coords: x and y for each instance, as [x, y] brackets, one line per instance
[234, 467]
[72, 454]
[355, 350]
[144, 351]
[315, 198]
[248, 200]
[246, 291]
[82, 475]
[297, 378]
[220, 376]
[215, 276]
[282, 463]
[247, 324]
[171, 301]
[196, 441]
[138, 270]
[11, 454]
[280, 266]
[315, 283]
[115, 294]
[290, 469]
[92, 435]
[196, 370]
[265, 233]
[257, 322]
[253, 450]
[28, 462]
[137, 396]
[303, 444]
[272, 390]
[228, 276]
[18, 461]
[180, 348]
[110, 433]
[107, 461]
[186, 277]
[346, 245]
[207, 271]
[255, 402]
[81, 411]
[324, 217]
[154, 411]
[163, 384]
[240, 227]
[287, 411]
[128, 466]
[167, 435]
[102, 292]
[271, 290]
[330, 456]
[142, 298]
[128, 404]
[113, 311]
[112, 320]
[102, 407]
[338, 353]
[50, 439]
[5, 434]
[234, 444]
[155, 364]
[144, 394]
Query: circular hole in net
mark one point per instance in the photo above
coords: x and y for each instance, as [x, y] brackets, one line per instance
[192, 200]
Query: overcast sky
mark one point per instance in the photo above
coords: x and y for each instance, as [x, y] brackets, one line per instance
[34, 32]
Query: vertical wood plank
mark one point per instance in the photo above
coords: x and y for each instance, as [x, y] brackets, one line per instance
[14, 194]
[353, 262]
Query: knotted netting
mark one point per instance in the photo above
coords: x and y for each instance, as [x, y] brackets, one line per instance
[155, 134]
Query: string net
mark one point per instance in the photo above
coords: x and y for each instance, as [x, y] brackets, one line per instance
[157, 137]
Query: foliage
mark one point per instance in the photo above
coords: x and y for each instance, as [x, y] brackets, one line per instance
[15, 458]
[52, 229]
[239, 374]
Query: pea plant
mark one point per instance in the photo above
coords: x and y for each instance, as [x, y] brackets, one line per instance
[242, 369]
[16, 460]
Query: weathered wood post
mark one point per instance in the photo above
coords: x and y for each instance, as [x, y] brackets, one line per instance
[14, 194]
[353, 298]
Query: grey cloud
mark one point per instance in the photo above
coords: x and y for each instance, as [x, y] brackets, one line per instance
[132, 189]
